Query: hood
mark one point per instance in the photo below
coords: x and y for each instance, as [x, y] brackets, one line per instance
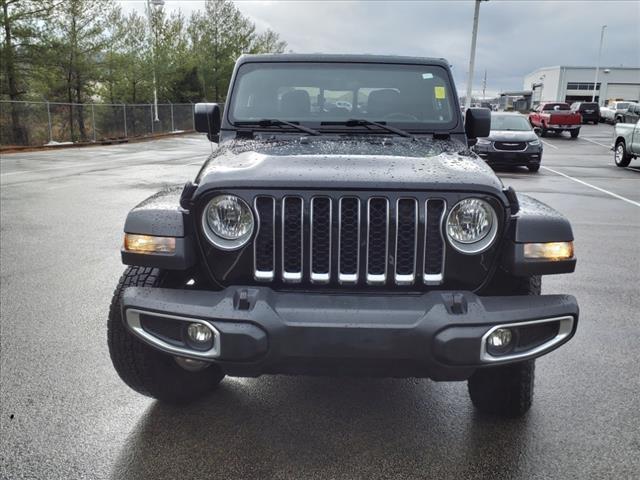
[342, 164]
[512, 136]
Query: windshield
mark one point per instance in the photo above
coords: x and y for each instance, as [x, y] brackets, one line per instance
[588, 106]
[317, 94]
[509, 122]
[621, 105]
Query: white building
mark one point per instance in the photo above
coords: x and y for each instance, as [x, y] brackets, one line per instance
[572, 84]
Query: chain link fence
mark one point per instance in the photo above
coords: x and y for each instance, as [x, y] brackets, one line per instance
[27, 123]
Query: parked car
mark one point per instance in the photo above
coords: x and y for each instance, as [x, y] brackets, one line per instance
[627, 143]
[313, 244]
[613, 110]
[590, 111]
[556, 117]
[344, 104]
[511, 142]
[630, 115]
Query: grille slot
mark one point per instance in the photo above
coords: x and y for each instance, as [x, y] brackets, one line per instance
[349, 240]
[377, 240]
[292, 237]
[321, 224]
[406, 240]
[510, 146]
[434, 242]
[264, 245]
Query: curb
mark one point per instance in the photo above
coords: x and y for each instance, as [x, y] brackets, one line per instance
[106, 141]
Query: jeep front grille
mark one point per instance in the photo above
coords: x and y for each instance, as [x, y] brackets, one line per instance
[351, 240]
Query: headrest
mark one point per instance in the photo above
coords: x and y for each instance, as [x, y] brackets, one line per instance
[296, 103]
[383, 102]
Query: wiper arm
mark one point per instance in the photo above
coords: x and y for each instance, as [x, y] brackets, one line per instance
[359, 122]
[274, 122]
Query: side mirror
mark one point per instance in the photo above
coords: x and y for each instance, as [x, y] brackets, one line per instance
[207, 119]
[477, 122]
[537, 130]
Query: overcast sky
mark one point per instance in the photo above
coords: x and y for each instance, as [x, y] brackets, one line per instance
[515, 37]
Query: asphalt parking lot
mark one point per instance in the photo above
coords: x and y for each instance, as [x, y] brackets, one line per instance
[66, 414]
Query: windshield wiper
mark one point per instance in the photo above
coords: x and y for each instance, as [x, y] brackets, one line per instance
[363, 122]
[274, 122]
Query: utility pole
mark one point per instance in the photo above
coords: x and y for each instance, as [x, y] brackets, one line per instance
[595, 83]
[484, 85]
[472, 56]
[151, 4]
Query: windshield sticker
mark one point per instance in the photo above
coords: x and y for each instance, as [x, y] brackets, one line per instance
[427, 76]
[440, 93]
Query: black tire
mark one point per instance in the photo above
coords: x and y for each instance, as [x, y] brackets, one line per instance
[144, 369]
[620, 155]
[543, 131]
[506, 390]
[575, 133]
[534, 168]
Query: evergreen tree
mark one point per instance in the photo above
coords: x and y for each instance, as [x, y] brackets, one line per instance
[77, 44]
[20, 52]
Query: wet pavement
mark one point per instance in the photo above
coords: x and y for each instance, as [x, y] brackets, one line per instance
[66, 414]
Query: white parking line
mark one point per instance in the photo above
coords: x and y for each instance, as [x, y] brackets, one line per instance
[635, 169]
[608, 147]
[546, 143]
[615, 195]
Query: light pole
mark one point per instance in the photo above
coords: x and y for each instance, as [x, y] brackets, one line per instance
[595, 83]
[484, 85]
[472, 57]
[542, 77]
[152, 4]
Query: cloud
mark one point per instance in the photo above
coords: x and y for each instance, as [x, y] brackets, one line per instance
[515, 36]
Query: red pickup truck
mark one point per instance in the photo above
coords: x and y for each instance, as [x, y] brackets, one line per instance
[556, 117]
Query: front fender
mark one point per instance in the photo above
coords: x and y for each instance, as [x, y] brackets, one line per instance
[536, 222]
[162, 216]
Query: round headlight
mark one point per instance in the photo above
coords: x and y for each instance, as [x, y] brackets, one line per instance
[472, 225]
[227, 222]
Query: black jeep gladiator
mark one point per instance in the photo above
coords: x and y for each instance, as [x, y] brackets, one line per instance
[341, 227]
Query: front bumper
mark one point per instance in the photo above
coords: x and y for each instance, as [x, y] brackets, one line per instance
[439, 334]
[532, 155]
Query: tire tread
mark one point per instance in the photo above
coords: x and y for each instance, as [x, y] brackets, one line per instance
[144, 369]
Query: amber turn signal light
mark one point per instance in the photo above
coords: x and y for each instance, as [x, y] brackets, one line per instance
[549, 251]
[135, 243]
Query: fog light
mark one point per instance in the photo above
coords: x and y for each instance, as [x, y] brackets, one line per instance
[500, 338]
[199, 333]
[500, 341]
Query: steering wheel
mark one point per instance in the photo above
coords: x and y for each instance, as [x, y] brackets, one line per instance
[401, 116]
